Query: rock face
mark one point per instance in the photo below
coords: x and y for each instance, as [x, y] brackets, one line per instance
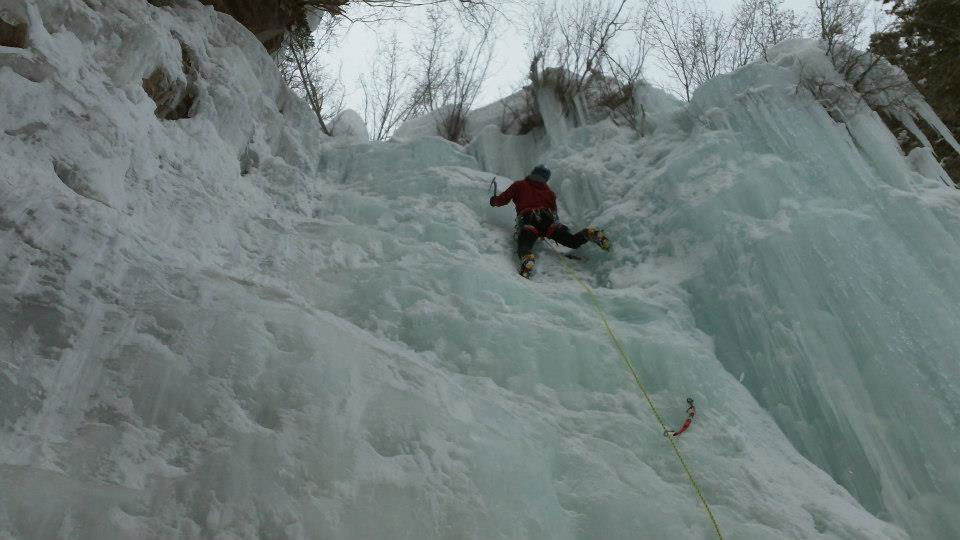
[269, 19]
[13, 35]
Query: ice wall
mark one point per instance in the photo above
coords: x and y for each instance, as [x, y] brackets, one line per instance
[817, 257]
[218, 324]
[828, 288]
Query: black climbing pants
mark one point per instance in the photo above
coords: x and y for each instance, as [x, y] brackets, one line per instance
[543, 223]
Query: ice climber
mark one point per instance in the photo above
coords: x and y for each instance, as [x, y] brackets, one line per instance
[537, 217]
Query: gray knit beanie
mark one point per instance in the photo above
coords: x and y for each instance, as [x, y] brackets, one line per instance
[539, 174]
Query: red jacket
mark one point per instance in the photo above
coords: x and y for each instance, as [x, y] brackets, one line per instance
[527, 195]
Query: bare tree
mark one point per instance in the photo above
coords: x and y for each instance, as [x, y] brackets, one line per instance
[710, 37]
[430, 73]
[386, 91]
[373, 12]
[776, 24]
[843, 30]
[449, 78]
[624, 75]
[841, 22]
[745, 37]
[572, 43]
[865, 79]
[468, 70]
[573, 52]
[695, 44]
[757, 26]
[675, 45]
[520, 115]
[299, 61]
[304, 8]
[630, 66]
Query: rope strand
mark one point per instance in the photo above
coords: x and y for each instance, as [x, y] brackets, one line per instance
[646, 395]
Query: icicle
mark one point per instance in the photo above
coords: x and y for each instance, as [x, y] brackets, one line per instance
[924, 111]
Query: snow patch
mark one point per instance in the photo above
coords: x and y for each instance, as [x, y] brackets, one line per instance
[349, 125]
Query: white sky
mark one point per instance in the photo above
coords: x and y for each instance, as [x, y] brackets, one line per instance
[355, 52]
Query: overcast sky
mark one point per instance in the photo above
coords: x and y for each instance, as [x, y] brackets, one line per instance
[356, 50]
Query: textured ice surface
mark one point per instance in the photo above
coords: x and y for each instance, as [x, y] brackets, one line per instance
[349, 125]
[226, 326]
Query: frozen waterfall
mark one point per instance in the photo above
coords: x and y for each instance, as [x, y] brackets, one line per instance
[217, 323]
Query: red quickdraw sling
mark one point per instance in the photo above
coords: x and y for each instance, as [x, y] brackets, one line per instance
[691, 412]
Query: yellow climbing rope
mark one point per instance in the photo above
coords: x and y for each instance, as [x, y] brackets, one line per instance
[636, 378]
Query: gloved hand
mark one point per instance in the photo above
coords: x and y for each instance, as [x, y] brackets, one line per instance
[492, 200]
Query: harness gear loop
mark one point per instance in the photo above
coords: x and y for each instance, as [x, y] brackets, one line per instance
[537, 214]
[646, 395]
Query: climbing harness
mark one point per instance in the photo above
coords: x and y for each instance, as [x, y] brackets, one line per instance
[537, 215]
[691, 412]
[636, 377]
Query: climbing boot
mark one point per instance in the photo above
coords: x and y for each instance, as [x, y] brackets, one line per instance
[596, 236]
[527, 263]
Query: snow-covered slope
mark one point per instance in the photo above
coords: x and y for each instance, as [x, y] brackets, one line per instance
[222, 325]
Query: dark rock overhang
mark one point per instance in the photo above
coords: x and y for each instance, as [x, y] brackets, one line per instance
[269, 20]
